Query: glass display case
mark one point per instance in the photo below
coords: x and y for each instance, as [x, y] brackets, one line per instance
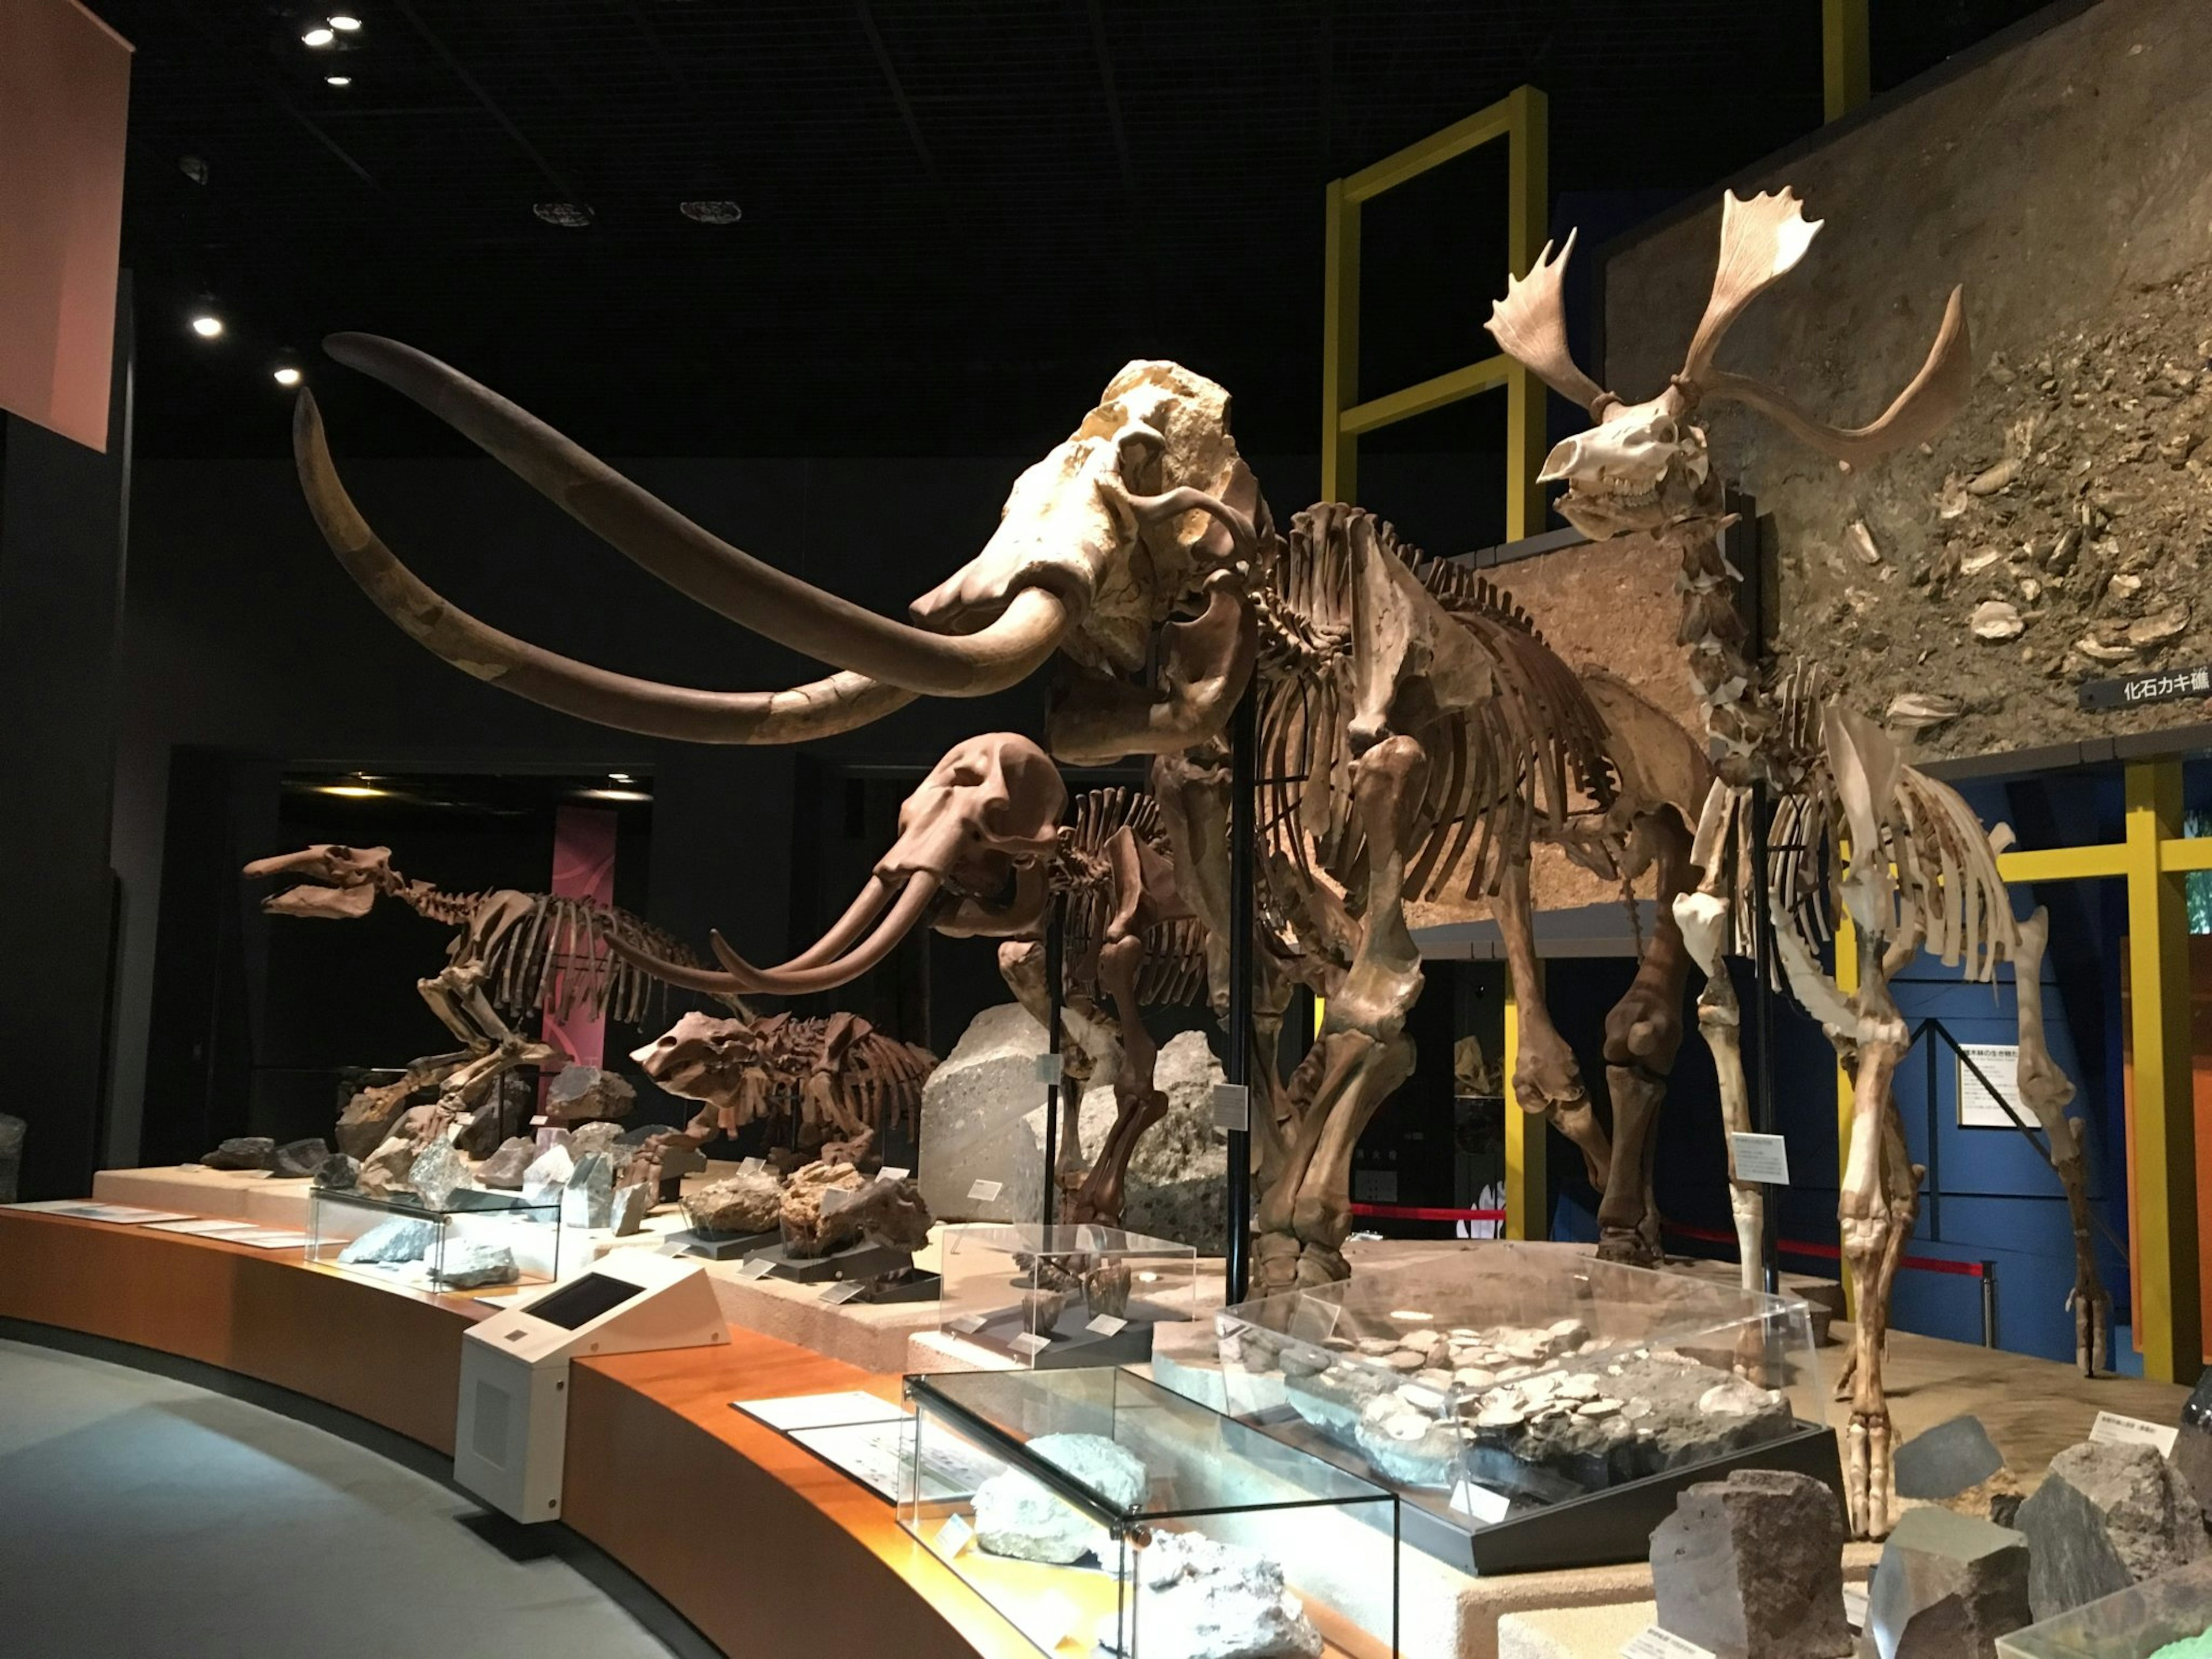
[1535, 1407]
[1042, 1297]
[2172, 1611]
[1109, 1515]
[481, 1241]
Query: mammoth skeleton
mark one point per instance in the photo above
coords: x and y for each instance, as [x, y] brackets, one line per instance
[1854, 830]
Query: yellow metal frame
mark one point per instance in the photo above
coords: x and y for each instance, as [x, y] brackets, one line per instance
[2152, 859]
[1528, 1180]
[1521, 119]
[1846, 66]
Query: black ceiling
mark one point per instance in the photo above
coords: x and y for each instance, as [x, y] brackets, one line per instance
[958, 218]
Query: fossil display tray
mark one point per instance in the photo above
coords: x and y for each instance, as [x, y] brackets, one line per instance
[862, 1261]
[1063, 1297]
[1532, 1407]
[722, 1247]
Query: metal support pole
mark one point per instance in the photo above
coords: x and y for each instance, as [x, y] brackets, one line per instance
[1762, 1022]
[1055, 941]
[1243, 789]
[1988, 1304]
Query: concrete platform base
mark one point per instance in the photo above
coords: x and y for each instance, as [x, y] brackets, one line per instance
[231, 1194]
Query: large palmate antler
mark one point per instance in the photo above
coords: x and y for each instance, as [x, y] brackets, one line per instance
[1530, 323]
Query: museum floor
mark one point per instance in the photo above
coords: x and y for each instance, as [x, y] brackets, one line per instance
[148, 1516]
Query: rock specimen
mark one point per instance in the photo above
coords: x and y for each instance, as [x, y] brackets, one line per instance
[1204, 1600]
[438, 1173]
[368, 1119]
[2106, 1517]
[297, 1160]
[503, 1171]
[982, 1119]
[1946, 1587]
[1019, 1517]
[626, 1214]
[402, 1238]
[828, 1207]
[593, 1137]
[547, 1177]
[467, 1263]
[1752, 1567]
[749, 1202]
[2193, 1446]
[585, 1091]
[337, 1173]
[1178, 1182]
[1945, 1461]
[241, 1152]
[587, 1199]
[11, 1154]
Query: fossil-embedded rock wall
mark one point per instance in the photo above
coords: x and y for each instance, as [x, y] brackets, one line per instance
[2067, 185]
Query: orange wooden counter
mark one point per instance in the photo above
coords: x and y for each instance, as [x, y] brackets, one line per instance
[767, 1550]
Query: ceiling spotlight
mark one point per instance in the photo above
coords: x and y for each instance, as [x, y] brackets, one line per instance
[569, 215]
[712, 213]
[614, 795]
[207, 326]
[337, 80]
[618, 777]
[288, 375]
[344, 21]
[320, 35]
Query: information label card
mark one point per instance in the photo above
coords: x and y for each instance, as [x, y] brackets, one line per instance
[1653, 1643]
[2115, 1430]
[1764, 1158]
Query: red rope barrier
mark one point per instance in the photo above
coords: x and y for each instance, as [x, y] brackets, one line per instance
[1416, 1213]
[1834, 1253]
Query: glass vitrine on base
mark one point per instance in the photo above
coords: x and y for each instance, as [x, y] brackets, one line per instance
[2172, 1611]
[1535, 1407]
[1045, 1297]
[482, 1240]
[1105, 1516]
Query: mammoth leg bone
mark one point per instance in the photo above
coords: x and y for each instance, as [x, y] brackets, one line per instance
[2045, 1092]
[1546, 1081]
[1138, 1104]
[1643, 1035]
[1877, 1219]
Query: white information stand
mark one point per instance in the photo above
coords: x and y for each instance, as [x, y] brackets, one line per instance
[511, 1427]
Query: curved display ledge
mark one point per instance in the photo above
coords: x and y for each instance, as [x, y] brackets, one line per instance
[766, 1550]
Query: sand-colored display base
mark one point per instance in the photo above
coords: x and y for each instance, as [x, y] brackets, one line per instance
[231, 1194]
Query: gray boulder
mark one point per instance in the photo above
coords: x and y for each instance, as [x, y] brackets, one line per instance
[503, 1171]
[1946, 1588]
[547, 1177]
[2107, 1517]
[1752, 1567]
[626, 1213]
[297, 1160]
[982, 1119]
[241, 1152]
[337, 1173]
[587, 1199]
[1178, 1185]
[468, 1263]
[389, 1243]
[1945, 1460]
[438, 1172]
[1206, 1600]
[579, 1092]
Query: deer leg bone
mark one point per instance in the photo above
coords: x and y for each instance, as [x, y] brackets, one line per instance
[1546, 1079]
[1870, 1211]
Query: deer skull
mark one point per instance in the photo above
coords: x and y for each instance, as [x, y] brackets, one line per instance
[1643, 467]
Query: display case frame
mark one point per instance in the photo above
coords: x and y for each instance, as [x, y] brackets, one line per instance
[1043, 1297]
[2129, 1624]
[1229, 1493]
[449, 1256]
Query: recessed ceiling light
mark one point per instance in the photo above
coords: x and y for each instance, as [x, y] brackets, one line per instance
[614, 795]
[288, 375]
[337, 80]
[570, 215]
[618, 777]
[319, 36]
[352, 791]
[344, 21]
[207, 325]
[712, 213]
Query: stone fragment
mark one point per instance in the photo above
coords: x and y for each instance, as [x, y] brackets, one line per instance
[587, 1199]
[468, 1262]
[400, 1239]
[1751, 1567]
[547, 1177]
[2107, 1517]
[503, 1171]
[626, 1214]
[438, 1172]
[1996, 619]
[746, 1203]
[297, 1160]
[241, 1152]
[339, 1173]
[580, 1092]
[369, 1118]
[1946, 1588]
[1206, 1600]
[1178, 1184]
[1945, 1460]
[982, 1119]
[1019, 1517]
[598, 1136]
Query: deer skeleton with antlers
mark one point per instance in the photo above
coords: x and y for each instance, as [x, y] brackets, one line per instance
[1901, 853]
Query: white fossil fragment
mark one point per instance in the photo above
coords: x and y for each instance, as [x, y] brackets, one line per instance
[2159, 626]
[2097, 651]
[1916, 711]
[1996, 619]
[1861, 542]
[1989, 483]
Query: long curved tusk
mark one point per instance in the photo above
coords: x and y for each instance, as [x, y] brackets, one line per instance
[684, 976]
[920, 888]
[820, 708]
[858, 914]
[723, 578]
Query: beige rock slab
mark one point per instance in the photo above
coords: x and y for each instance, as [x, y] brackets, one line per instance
[230, 1194]
[1572, 1632]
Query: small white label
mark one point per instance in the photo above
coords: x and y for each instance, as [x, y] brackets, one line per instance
[1233, 1107]
[843, 1290]
[985, 1192]
[756, 1267]
[1763, 1158]
[835, 1198]
[1978, 1108]
[953, 1536]
[747, 1165]
[1105, 1325]
[1049, 1068]
[1029, 1343]
[1855, 1605]
[892, 1172]
[965, 1323]
[2115, 1430]
[1653, 1643]
[1479, 1503]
